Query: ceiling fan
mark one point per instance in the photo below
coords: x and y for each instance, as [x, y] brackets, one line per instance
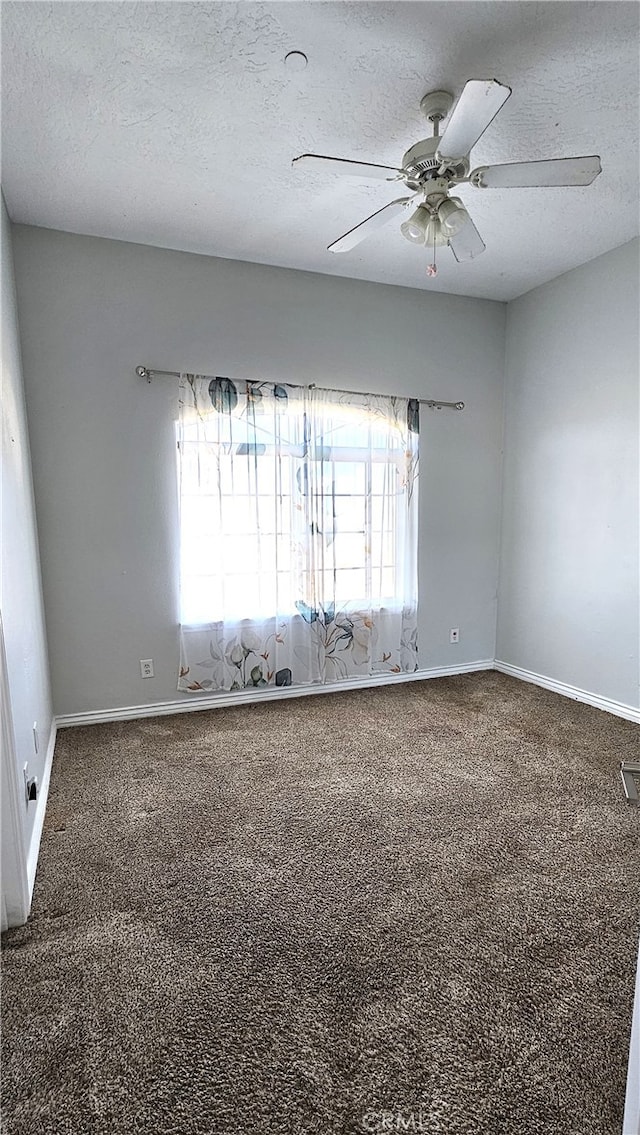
[432, 167]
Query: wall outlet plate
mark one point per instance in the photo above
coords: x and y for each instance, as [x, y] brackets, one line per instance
[146, 667]
[454, 634]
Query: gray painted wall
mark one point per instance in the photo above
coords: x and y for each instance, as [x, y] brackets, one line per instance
[569, 579]
[104, 449]
[20, 588]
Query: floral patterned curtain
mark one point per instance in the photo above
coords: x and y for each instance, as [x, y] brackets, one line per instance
[298, 515]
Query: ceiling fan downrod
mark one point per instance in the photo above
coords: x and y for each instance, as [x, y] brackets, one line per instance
[436, 106]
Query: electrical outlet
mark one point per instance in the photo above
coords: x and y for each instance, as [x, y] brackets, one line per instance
[146, 667]
[454, 634]
[36, 741]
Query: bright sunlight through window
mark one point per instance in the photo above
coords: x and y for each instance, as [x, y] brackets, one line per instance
[273, 519]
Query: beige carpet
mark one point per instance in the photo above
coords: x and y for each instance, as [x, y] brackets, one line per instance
[408, 908]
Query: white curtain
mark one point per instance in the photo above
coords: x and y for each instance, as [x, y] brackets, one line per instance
[298, 518]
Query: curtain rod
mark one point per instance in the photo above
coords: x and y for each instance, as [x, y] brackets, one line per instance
[432, 403]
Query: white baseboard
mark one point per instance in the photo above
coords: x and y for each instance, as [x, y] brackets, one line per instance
[196, 702]
[38, 823]
[630, 712]
[243, 697]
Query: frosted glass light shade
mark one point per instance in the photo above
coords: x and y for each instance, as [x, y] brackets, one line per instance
[415, 228]
[453, 215]
[435, 234]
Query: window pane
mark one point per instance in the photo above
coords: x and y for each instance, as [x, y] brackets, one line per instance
[384, 477]
[382, 512]
[322, 477]
[241, 597]
[349, 477]
[238, 514]
[327, 586]
[265, 475]
[284, 553]
[201, 552]
[201, 598]
[350, 514]
[351, 584]
[349, 550]
[199, 515]
[382, 548]
[388, 583]
[241, 553]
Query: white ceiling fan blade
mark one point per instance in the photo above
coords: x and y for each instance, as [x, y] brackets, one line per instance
[480, 101]
[344, 166]
[467, 243]
[550, 171]
[365, 228]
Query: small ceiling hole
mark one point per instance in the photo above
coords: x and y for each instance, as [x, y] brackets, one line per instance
[296, 61]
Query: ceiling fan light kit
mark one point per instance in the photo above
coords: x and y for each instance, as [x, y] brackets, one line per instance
[452, 215]
[416, 227]
[434, 166]
[435, 236]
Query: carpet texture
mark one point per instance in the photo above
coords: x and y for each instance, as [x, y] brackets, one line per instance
[406, 908]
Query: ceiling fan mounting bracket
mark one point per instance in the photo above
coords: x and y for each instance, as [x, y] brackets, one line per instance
[436, 105]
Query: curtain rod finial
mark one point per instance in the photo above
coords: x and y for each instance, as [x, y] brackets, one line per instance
[143, 372]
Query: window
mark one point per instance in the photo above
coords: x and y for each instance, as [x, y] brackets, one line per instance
[298, 533]
[272, 523]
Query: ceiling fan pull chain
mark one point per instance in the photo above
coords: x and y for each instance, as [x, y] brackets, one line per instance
[432, 269]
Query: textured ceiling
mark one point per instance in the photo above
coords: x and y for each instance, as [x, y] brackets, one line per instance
[175, 124]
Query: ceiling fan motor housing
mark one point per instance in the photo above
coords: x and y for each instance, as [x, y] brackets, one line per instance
[420, 163]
